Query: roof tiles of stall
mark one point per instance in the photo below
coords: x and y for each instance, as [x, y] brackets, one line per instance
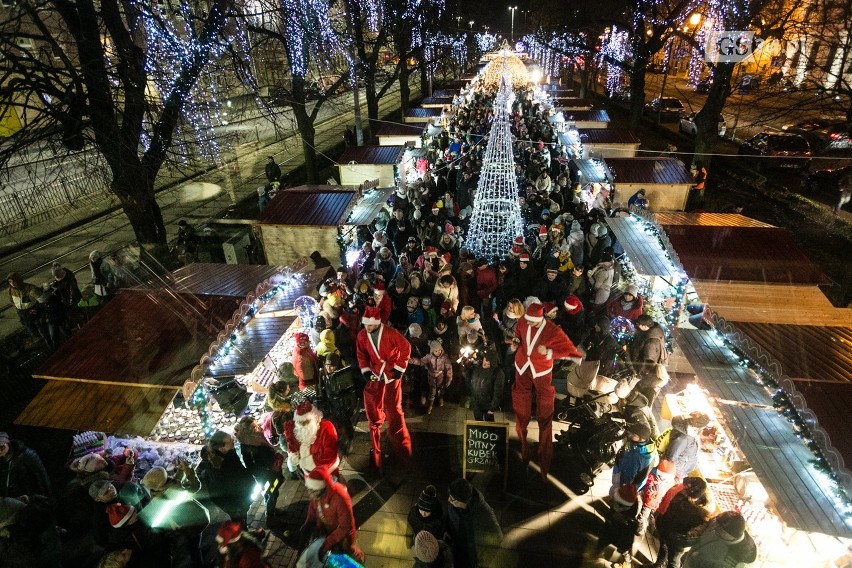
[782, 462]
[642, 247]
[443, 93]
[141, 338]
[570, 102]
[830, 402]
[750, 254]
[393, 129]
[667, 171]
[383, 155]
[766, 303]
[310, 205]
[592, 170]
[368, 207]
[208, 279]
[435, 100]
[586, 116]
[419, 112]
[607, 136]
[671, 218]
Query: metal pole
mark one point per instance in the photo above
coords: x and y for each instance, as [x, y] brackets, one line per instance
[512, 34]
[668, 57]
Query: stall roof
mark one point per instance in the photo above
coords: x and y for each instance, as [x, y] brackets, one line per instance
[393, 129]
[368, 208]
[607, 136]
[208, 279]
[434, 100]
[569, 102]
[268, 326]
[830, 402]
[781, 461]
[649, 171]
[443, 93]
[316, 206]
[804, 351]
[742, 253]
[97, 407]
[643, 248]
[141, 339]
[670, 218]
[586, 116]
[372, 155]
[593, 170]
[795, 304]
[419, 112]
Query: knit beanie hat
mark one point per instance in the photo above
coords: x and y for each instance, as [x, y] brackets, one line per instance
[426, 548]
[461, 490]
[695, 487]
[414, 330]
[730, 526]
[155, 479]
[435, 345]
[99, 488]
[428, 500]
[625, 496]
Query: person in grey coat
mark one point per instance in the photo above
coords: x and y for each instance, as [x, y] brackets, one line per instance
[684, 444]
[472, 527]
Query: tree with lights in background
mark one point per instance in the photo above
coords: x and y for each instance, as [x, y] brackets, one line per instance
[120, 80]
[496, 218]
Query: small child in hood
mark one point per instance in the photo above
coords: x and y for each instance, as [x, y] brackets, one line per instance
[620, 524]
[439, 369]
[326, 344]
[415, 313]
[430, 316]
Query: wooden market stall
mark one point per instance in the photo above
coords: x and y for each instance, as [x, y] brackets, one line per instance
[587, 118]
[666, 181]
[123, 368]
[358, 164]
[423, 115]
[317, 217]
[600, 143]
[567, 103]
[436, 101]
[391, 134]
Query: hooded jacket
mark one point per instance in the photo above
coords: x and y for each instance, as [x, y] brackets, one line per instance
[22, 472]
[327, 344]
[683, 448]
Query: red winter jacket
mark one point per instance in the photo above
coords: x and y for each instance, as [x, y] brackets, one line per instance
[332, 514]
[486, 282]
[549, 335]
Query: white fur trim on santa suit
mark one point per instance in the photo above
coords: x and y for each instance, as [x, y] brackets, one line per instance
[314, 484]
[370, 321]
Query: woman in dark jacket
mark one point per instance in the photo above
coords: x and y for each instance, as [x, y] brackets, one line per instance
[224, 478]
[682, 513]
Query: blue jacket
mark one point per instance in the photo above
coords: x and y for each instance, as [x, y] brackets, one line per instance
[634, 464]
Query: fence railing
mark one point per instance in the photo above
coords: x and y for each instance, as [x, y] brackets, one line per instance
[27, 206]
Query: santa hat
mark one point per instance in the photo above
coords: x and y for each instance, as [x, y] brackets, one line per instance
[549, 308]
[534, 313]
[435, 208]
[573, 305]
[519, 240]
[525, 257]
[625, 496]
[431, 252]
[449, 229]
[318, 479]
[542, 231]
[667, 469]
[372, 316]
[119, 514]
[379, 287]
[515, 250]
[305, 408]
[447, 306]
[300, 336]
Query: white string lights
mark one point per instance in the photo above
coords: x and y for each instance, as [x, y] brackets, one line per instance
[496, 218]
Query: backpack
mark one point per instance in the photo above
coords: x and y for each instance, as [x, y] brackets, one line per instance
[662, 441]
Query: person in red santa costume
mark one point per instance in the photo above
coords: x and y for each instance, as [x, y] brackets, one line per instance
[330, 515]
[305, 361]
[383, 355]
[383, 301]
[311, 441]
[539, 342]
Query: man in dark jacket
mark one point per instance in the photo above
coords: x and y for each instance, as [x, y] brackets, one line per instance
[649, 342]
[21, 470]
[472, 527]
[486, 382]
[522, 278]
[552, 288]
[272, 170]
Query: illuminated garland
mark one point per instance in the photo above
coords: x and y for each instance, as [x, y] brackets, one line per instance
[614, 52]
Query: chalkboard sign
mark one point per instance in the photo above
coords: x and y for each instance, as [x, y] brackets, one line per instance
[486, 447]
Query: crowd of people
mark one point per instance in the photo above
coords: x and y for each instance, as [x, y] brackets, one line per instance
[422, 322]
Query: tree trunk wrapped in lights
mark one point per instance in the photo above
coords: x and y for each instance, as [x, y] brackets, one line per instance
[496, 218]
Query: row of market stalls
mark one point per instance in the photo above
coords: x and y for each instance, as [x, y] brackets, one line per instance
[774, 372]
[161, 366]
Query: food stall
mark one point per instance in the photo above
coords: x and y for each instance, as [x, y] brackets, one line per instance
[424, 115]
[321, 218]
[391, 134]
[436, 101]
[587, 118]
[567, 103]
[599, 143]
[666, 181]
[360, 163]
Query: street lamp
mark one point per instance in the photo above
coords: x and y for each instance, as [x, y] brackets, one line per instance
[458, 21]
[470, 23]
[695, 19]
[512, 34]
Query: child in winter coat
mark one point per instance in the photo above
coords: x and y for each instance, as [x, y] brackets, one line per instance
[327, 345]
[439, 369]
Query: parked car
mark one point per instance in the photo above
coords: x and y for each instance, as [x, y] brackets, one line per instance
[778, 150]
[832, 137]
[703, 86]
[827, 181]
[668, 109]
[806, 125]
[687, 124]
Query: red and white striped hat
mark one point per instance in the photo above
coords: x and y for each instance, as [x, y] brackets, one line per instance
[534, 313]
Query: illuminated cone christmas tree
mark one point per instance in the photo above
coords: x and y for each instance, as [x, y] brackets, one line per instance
[496, 217]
